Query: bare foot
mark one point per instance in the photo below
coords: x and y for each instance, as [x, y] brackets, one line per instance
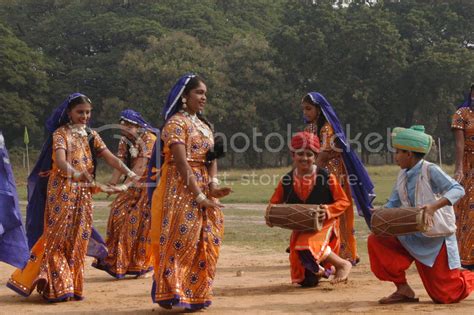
[342, 273]
[403, 294]
[406, 290]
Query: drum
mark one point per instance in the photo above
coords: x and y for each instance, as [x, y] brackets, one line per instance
[297, 217]
[398, 221]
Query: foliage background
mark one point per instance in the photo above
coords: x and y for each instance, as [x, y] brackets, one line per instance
[389, 64]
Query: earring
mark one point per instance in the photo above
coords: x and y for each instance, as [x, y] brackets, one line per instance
[183, 100]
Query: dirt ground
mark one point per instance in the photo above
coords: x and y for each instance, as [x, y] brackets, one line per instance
[263, 287]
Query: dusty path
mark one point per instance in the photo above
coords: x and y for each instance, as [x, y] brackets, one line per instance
[263, 288]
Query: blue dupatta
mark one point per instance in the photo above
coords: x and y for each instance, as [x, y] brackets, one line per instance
[13, 244]
[362, 187]
[172, 106]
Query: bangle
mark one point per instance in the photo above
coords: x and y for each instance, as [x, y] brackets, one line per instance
[200, 197]
[123, 187]
[131, 174]
[214, 180]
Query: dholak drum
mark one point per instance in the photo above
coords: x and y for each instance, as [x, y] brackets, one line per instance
[398, 221]
[298, 217]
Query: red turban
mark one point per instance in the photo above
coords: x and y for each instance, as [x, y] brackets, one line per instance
[304, 141]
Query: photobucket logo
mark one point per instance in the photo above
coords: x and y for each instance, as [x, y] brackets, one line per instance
[275, 142]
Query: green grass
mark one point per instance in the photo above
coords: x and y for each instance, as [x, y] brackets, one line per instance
[255, 186]
[246, 228]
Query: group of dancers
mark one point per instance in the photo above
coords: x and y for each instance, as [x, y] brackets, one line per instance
[174, 230]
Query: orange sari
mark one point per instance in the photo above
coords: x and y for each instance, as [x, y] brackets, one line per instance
[463, 119]
[56, 265]
[185, 238]
[128, 230]
[321, 243]
[335, 165]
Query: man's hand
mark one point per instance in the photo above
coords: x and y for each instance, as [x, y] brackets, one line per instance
[429, 211]
[266, 219]
[322, 216]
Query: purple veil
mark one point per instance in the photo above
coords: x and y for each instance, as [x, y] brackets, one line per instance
[362, 187]
[13, 245]
[467, 99]
[172, 106]
[136, 118]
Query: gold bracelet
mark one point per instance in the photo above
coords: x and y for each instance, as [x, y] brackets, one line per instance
[200, 197]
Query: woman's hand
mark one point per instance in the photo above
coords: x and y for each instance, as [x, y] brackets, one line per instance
[113, 189]
[209, 203]
[458, 175]
[82, 177]
[219, 192]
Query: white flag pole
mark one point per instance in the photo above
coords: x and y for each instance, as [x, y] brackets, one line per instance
[439, 153]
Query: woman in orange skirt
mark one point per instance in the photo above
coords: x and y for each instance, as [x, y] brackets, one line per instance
[56, 264]
[463, 129]
[187, 222]
[128, 231]
[338, 159]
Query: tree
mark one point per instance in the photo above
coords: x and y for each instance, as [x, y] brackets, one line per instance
[23, 87]
[149, 74]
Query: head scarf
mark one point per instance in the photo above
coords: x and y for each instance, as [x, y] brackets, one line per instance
[13, 245]
[133, 117]
[305, 141]
[171, 105]
[412, 139]
[38, 184]
[467, 100]
[362, 187]
[59, 116]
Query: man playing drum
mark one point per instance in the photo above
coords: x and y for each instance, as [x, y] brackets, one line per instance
[308, 184]
[436, 257]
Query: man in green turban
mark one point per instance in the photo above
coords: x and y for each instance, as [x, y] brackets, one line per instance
[435, 252]
[412, 139]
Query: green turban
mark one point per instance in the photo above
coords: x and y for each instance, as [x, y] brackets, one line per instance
[412, 139]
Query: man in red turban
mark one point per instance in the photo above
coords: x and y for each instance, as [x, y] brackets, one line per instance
[305, 140]
[308, 184]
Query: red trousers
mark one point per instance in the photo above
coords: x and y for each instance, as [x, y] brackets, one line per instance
[389, 260]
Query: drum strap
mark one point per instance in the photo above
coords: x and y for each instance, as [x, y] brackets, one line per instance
[321, 193]
[444, 218]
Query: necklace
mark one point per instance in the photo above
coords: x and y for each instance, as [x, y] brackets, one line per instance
[198, 124]
[134, 146]
[78, 130]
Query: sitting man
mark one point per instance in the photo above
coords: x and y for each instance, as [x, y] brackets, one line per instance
[436, 255]
[308, 184]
